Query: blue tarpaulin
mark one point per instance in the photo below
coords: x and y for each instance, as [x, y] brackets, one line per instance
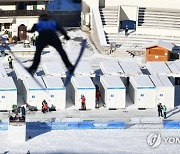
[130, 23]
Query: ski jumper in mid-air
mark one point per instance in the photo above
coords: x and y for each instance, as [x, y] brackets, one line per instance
[47, 36]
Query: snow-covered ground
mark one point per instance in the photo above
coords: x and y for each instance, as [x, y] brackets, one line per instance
[92, 141]
[131, 140]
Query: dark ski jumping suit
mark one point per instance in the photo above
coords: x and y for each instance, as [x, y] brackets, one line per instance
[48, 36]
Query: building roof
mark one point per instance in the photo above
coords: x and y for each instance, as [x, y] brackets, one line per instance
[83, 82]
[32, 85]
[177, 62]
[54, 68]
[2, 70]
[161, 81]
[53, 82]
[158, 68]
[159, 43]
[142, 81]
[130, 68]
[84, 68]
[7, 83]
[155, 79]
[111, 68]
[112, 81]
[165, 80]
[173, 66]
[20, 71]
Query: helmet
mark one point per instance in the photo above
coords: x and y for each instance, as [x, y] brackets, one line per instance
[44, 17]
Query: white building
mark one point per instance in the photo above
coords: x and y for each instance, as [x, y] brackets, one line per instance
[83, 85]
[142, 91]
[165, 92]
[20, 73]
[113, 91]
[129, 69]
[123, 69]
[56, 92]
[170, 69]
[8, 93]
[18, 16]
[33, 93]
[174, 66]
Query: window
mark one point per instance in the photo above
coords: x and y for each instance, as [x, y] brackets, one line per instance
[161, 95]
[142, 95]
[3, 97]
[7, 25]
[52, 96]
[33, 96]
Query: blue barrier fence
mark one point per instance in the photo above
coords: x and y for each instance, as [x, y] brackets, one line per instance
[171, 124]
[3, 126]
[82, 125]
[75, 125]
[68, 125]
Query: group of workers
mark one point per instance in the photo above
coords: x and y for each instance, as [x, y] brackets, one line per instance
[98, 99]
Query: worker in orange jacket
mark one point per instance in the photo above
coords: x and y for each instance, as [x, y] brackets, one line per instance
[83, 102]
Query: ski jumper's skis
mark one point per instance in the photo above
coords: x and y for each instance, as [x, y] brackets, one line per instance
[19, 62]
[70, 74]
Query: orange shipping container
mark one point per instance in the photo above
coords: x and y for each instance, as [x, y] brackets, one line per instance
[158, 51]
[157, 54]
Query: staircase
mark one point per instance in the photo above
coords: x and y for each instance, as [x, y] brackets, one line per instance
[110, 19]
[109, 16]
[159, 18]
[134, 43]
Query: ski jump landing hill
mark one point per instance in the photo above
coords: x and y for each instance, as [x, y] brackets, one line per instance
[149, 20]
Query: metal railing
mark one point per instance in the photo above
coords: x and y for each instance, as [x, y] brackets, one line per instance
[22, 12]
[64, 18]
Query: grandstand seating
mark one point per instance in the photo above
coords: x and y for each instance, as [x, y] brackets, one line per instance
[134, 42]
[150, 18]
[161, 18]
[110, 18]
